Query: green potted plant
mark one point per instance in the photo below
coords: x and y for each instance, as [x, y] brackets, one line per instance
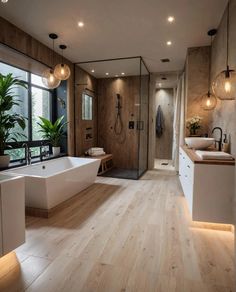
[53, 132]
[8, 118]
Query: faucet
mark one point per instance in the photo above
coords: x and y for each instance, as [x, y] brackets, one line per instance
[221, 137]
[27, 153]
[43, 153]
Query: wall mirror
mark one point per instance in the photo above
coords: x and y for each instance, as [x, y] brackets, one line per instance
[87, 107]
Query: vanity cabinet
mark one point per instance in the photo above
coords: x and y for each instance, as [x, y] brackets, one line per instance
[12, 213]
[208, 187]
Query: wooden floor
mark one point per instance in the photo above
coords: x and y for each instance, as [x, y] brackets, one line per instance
[122, 235]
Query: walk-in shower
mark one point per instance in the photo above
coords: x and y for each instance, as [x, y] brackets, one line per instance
[121, 87]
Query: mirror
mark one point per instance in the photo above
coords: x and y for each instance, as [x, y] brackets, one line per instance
[87, 107]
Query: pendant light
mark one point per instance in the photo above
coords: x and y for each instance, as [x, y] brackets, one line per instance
[209, 100]
[224, 86]
[62, 71]
[48, 78]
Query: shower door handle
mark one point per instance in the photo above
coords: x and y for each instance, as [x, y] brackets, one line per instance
[140, 125]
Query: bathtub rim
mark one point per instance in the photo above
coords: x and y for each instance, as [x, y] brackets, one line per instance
[11, 171]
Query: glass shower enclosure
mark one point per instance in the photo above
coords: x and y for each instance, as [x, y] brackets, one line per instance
[122, 94]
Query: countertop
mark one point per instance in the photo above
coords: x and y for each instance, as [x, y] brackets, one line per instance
[196, 159]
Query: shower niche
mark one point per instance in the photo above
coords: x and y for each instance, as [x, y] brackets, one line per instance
[121, 87]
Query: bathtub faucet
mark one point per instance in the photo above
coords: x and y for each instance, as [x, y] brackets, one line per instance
[27, 153]
[43, 153]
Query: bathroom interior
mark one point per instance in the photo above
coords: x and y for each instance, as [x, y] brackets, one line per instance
[117, 146]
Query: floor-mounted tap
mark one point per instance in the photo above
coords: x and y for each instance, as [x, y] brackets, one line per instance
[221, 137]
[27, 153]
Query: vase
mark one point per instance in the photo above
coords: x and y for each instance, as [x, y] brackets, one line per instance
[193, 132]
[4, 161]
[56, 151]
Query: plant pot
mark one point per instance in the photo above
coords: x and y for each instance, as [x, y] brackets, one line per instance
[4, 161]
[56, 151]
[193, 132]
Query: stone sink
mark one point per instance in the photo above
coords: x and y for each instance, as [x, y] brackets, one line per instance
[199, 143]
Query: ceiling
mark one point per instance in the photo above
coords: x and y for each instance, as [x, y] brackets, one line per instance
[166, 80]
[124, 28]
[115, 68]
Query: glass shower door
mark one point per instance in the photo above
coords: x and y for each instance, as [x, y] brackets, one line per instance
[143, 120]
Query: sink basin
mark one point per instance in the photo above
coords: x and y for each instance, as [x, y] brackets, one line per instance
[199, 142]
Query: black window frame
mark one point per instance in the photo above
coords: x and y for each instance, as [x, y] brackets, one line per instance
[30, 142]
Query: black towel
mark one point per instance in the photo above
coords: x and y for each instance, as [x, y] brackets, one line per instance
[159, 122]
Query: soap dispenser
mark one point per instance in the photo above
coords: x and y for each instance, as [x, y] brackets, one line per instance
[225, 144]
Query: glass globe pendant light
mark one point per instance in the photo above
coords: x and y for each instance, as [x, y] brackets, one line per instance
[48, 77]
[209, 101]
[62, 71]
[224, 86]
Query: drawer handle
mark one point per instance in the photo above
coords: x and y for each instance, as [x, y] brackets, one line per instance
[188, 166]
[183, 157]
[186, 175]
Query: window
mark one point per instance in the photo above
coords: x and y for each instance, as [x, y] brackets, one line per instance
[87, 107]
[34, 102]
[40, 108]
[18, 73]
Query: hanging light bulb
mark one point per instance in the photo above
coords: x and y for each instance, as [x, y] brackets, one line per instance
[209, 101]
[224, 86]
[49, 80]
[48, 77]
[62, 71]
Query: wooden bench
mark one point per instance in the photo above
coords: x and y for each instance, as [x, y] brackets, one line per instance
[106, 162]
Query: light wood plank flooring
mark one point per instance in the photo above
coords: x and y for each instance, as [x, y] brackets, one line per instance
[122, 235]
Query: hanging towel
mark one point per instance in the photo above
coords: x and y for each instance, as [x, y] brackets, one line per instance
[159, 122]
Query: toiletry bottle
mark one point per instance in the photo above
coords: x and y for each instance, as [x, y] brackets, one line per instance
[225, 144]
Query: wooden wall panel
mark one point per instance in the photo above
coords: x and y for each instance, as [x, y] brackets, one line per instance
[124, 147]
[84, 82]
[15, 38]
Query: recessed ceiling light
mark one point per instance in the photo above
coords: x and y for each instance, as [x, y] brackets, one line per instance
[116, 75]
[171, 19]
[92, 70]
[159, 84]
[107, 73]
[122, 73]
[169, 43]
[80, 24]
[4, 1]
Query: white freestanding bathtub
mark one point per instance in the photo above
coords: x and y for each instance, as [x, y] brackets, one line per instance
[49, 183]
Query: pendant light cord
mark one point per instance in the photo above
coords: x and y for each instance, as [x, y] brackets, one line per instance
[209, 75]
[53, 52]
[227, 56]
[62, 56]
